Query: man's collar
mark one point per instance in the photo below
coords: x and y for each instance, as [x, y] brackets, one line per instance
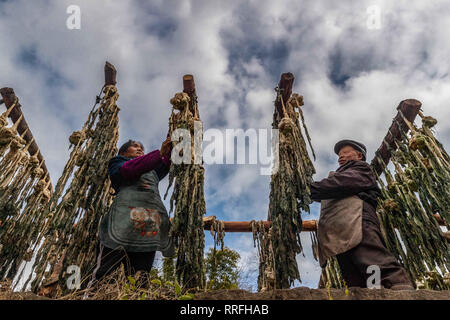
[348, 164]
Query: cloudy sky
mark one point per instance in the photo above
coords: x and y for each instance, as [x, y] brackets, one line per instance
[351, 69]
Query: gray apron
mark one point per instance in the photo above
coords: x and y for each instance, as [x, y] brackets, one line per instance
[137, 220]
[340, 226]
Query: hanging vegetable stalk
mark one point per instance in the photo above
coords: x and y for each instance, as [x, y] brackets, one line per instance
[188, 196]
[419, 188]
[289, 188]
[262, 240]
[217, 230]
[24, 188]
[11, 163]
[8, 135]
[72, 220]
[430, 154]
[19, 238]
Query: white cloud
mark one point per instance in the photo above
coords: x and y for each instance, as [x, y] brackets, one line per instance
[236, 51]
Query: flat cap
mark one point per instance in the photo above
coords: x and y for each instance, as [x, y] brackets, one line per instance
[357, 145]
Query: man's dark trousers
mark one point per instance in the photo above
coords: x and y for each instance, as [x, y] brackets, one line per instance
[371, 251]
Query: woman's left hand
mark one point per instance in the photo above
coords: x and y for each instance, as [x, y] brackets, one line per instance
[166, 146]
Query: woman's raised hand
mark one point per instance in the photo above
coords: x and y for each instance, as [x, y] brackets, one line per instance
[166, 146]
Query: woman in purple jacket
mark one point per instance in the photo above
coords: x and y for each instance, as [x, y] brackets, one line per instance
[137, 223]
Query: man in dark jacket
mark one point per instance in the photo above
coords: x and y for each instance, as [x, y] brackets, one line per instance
[348, 226]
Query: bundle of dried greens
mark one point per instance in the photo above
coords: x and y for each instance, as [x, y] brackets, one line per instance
[289, 190]
[188, 196]
[419, 189]
[218, 233]
[68, 235]
[24, 189]
[262, 240]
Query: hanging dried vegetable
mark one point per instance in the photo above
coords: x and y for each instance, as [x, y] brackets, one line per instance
[262, 240]
[419, 188]
[24, 189]
[289, 190]
[188, 197]
[69, 234]
[217, 231]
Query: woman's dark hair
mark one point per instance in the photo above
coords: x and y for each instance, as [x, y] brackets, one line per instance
[127, 144]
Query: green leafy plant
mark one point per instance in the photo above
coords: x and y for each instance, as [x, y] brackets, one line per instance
[221, 269]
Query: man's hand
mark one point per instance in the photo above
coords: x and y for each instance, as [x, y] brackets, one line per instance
[166, 146]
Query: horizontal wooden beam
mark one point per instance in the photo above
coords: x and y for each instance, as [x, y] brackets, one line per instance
[307, 225]
[245, 226]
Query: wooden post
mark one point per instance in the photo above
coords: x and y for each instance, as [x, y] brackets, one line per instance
[189, 88]
[410, 108]
[110, 74]
[285, 87]
[9, 97]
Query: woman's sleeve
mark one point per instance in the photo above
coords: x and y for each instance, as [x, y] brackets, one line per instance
[163, 169]
[134, 168]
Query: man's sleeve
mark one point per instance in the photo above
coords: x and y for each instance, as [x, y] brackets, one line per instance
[134, 168]
[357, 178]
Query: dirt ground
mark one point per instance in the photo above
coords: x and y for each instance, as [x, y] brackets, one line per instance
[304, 293]
[300, 293]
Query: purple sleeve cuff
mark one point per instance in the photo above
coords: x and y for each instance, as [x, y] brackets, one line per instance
[132, 169]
